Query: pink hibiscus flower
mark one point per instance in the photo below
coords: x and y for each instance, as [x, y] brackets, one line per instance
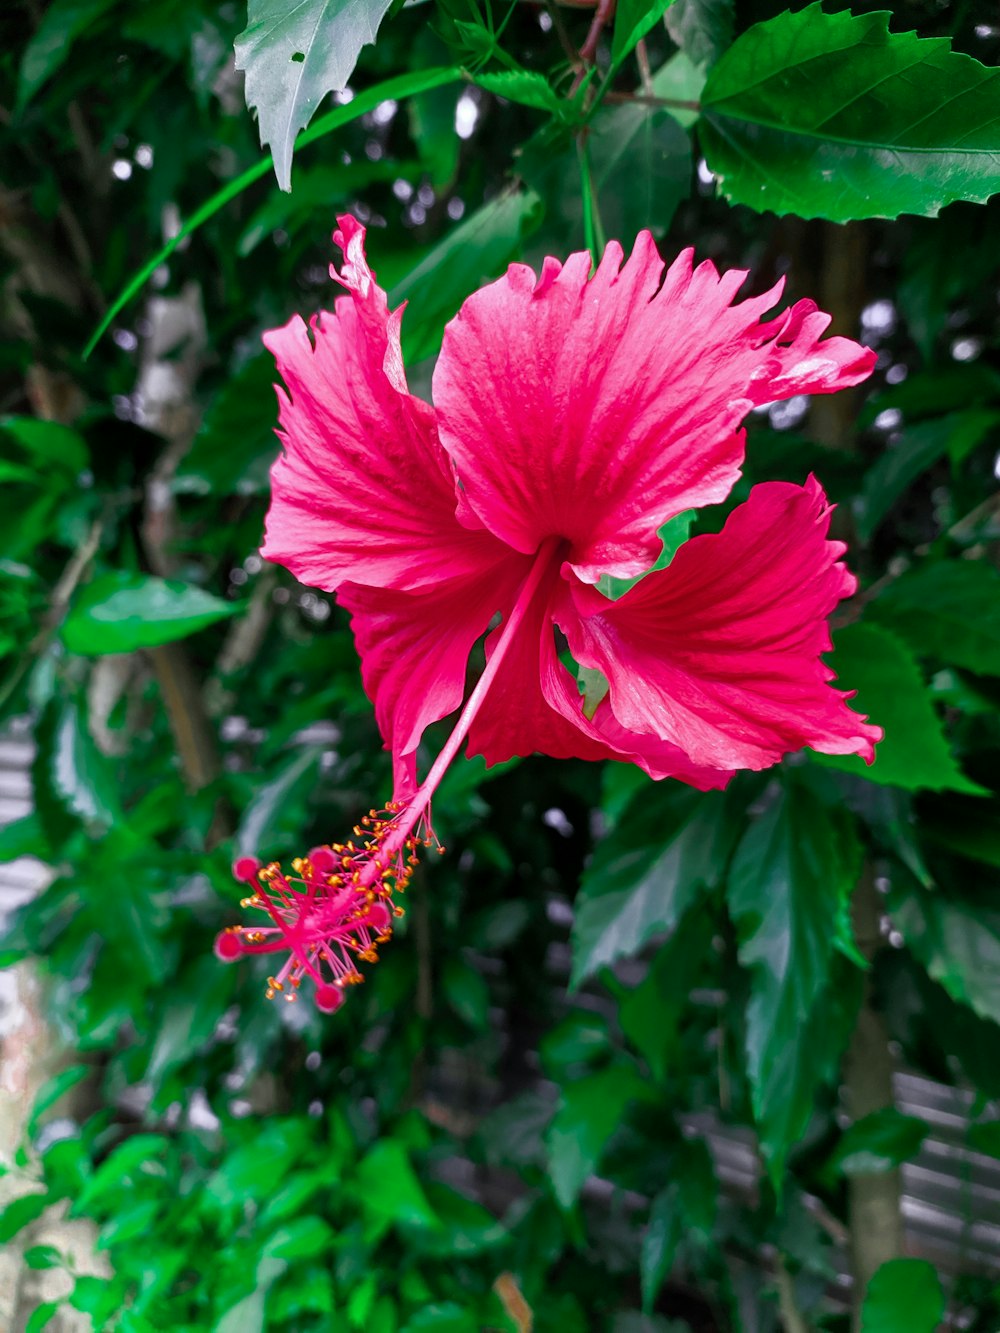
[574, 415]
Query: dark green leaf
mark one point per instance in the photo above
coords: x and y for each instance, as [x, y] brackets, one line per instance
[590, 1111]
[633, 19]
[61, 24]
[879, 1142]
[293, 56]
[833, 116]
[235, 444]
[949, 610]
[22, 837]
[789, 889]
[54, 1088]
[703, 29]
[640, 161]
[119, 612]
[958, 942]
[904, 1296]
[891, 691]
[920, 447]
[49, 444]
[70, 775]
[684, 1210]
[478, 249]
[669, 845]
[277, 805]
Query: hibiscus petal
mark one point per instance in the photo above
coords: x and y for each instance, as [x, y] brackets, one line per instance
[719, 652]
[363, 489]
[594, 409]
[534, 706]
[414, 647]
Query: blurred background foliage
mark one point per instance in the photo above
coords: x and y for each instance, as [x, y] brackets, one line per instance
[528, 1114]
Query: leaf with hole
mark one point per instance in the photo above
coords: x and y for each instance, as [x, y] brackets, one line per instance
[293, 55]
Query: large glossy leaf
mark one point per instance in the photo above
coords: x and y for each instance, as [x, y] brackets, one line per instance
[293, 56]
[789, 888]
[120, 612]
[949, 611]
[670, 844]
[890, 689]
[833, 116]
[904, 1296]
[633, 19]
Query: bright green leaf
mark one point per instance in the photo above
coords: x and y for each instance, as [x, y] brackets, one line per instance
[20, 1212]
[293, 56]
[833, 116]
[524, 86]
[48, 443]
[389, 1189]
[890, 689]
[904, 1296]
[633, 19]
[119, 612]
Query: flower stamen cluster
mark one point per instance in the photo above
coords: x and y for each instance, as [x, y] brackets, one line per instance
[335, 909]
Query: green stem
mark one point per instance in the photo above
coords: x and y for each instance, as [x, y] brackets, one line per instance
[406, 85]
[593, 231]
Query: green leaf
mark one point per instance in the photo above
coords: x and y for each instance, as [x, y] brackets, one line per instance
[23, 837]
[640, 162]
[833, 116]
[684, 1210]
[293, 56]
[703, 29]
[957, 941]
[42, 1257]
[670, 844]
[949, 610]
[920, 447]
[673, 535]
[301, 1238]
[235, 444]
[70, 775]
[633, 19]
[61, 24]
[589, 1114]
[879, 1142]
[277, 805]
[405, 85]
[985, 1137]
[52, 1089]
[390, 1192]
[41, 1315]
[904, 1296]
[890, 689]
[49, 444]
[652, 1015]
[119, 612]
[472, 253]
[524, 86]
[789, 889]
[21, 1212]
